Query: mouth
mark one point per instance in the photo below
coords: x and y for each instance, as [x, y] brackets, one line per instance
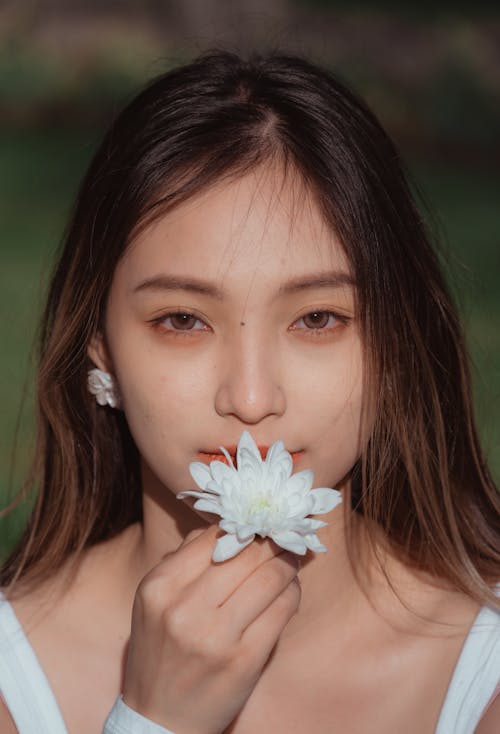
[207, 456]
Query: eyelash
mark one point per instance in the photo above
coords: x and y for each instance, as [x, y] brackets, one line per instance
[159, 323]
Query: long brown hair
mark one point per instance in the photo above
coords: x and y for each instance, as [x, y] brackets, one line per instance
[421, 479]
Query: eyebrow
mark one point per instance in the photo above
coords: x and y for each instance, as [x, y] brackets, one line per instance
[178, 283]
[330, 279]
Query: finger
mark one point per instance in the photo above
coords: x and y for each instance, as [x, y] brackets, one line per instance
[220, 580]
[261, 636]
[184, 565]
[258, 592]
[192, 535]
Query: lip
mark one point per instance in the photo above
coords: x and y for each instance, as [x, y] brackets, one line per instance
[207, 456]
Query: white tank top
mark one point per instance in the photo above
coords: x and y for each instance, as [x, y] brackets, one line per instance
[32, 704]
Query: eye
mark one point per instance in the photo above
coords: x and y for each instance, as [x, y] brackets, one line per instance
[319, 321]
[179, 321]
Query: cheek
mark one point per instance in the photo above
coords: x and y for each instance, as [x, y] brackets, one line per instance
[162, 401]
[159, 421]
[331, 385]
[162, 404]
[334, 410]
[339, 444]
[156, 378]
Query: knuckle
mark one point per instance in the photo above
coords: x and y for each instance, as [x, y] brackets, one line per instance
[207, 645]
[151, 593]
[203, 641]
[176, 621]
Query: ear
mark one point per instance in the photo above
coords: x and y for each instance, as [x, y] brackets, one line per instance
[98, 352]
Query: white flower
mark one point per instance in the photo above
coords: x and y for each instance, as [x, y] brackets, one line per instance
[102, 385]
[261, 498]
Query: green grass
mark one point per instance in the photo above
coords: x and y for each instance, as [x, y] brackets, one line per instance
[39, 174]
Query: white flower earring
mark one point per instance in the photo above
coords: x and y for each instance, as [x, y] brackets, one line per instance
[102, 386]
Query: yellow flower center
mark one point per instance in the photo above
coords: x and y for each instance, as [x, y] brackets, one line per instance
[261, 502]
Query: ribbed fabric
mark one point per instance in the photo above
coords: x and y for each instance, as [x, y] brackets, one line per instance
[123, 720]
[476, 676]
[30, 700]
[23, 684]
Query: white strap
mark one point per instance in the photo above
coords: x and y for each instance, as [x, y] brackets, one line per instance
[124, 720]
[29, 697]
[23, 683]
[475, 677]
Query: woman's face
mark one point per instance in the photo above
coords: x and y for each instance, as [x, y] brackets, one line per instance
[236, 311]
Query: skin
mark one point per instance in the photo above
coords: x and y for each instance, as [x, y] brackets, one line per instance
[283, 364]
[249, 359]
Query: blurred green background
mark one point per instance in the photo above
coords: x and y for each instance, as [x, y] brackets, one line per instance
[431, 75]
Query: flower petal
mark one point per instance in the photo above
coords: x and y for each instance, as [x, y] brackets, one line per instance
[228, 546]
[208, 505]
[221, 471]
[300, 482]
[228, 456]
[290, 540]
[228, 525]
[245, 531]
[247, 444]
[212, 486]
[278, 463]
[317, 524]
[274, 450]
[307, 525]
[250, 470]
[298, 506]
[200, 473]
[325, 499]
[191, 493]
[314, 544]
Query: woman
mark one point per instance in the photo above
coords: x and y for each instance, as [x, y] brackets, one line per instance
[244, 254]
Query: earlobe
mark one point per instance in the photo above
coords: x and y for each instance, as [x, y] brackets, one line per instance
[97, 352]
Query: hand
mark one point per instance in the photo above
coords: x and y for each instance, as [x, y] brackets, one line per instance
[203, 631]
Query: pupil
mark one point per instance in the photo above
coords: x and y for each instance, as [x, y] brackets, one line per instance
[183, 320]
[316, 319]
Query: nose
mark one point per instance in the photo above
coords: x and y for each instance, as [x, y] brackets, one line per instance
[249, 385]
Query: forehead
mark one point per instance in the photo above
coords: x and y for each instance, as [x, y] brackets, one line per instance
[261, 223]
